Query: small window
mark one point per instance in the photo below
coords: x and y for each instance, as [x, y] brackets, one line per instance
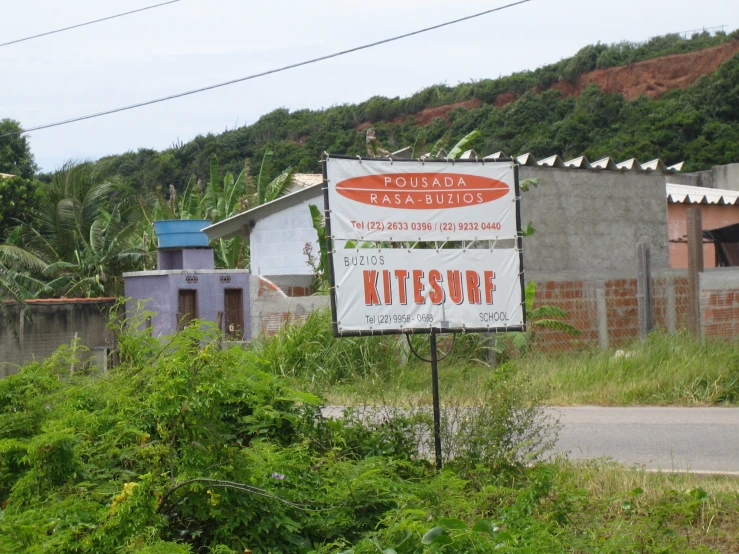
[187, 307]
[233, 300]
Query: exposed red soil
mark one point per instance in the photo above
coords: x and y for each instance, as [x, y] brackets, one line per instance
[424, 117]
[651, 77]
[505, 98]
[654, 77]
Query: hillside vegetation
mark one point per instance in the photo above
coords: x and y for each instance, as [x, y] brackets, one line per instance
[531, 111]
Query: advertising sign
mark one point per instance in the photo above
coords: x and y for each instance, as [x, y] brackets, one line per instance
[411, 200]
[402, 290]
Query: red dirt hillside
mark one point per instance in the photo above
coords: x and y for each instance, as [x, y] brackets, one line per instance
[656, 76]
[424, 117]
[651, 77]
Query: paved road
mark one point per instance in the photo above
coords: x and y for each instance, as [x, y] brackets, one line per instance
[694, 439]
[672, 439]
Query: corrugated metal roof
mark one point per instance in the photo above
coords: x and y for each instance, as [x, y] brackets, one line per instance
[684, 194]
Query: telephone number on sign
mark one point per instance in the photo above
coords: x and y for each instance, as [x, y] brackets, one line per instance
[470, 226]
[453, 226]
[399, 319]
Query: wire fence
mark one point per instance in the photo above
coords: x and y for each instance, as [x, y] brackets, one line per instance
[606, 311]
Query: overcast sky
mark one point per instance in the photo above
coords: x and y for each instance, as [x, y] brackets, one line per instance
[194, 43]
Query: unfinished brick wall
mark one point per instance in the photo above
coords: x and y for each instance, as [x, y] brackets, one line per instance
[602, 306]
[272, 322]
[579, 301]
[605, 310]
[720, 313]
[622, 311]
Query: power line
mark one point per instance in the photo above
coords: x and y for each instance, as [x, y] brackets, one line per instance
[87, 23]
[269, 72]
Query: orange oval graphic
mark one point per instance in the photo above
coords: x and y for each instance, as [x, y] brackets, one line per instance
[422, 191]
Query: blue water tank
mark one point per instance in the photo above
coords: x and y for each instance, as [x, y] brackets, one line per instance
[182, 233]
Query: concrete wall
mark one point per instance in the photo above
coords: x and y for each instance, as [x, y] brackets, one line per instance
[277, 243]
[54, 323]
[713, 216]
[160, 291]
[587, 219]
[719, 177]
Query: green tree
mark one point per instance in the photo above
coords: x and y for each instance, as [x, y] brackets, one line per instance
[15, 152]
[85, 238]
[18, 198]
[18, 283]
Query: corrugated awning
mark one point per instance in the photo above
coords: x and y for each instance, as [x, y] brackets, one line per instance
[685, 194]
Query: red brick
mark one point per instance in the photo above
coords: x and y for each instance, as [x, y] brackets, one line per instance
[725, 314]
[717, 298]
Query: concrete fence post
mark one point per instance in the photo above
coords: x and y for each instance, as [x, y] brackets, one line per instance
[695, 268]
[671, 311]
[601, 306]
[644, 290]
[21, 327]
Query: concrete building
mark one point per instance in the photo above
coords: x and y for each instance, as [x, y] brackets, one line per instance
[187, 286]
[719, 208]
[720, 177]
[586, 215]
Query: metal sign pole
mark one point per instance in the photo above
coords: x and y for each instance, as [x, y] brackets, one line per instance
[437, 407]
[434, 361]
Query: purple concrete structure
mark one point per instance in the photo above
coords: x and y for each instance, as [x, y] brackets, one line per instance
[192, 269]
[160, 290]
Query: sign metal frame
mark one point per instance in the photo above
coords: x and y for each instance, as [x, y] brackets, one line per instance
[330, 243]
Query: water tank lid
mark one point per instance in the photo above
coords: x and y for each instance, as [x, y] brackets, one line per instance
[182, 233]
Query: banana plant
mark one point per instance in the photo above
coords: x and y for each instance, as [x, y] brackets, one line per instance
[223, 197]
[542, 317]
[459, 148]
[321, 268]
[262, 190]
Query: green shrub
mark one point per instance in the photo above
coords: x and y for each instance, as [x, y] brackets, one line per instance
[310, 352]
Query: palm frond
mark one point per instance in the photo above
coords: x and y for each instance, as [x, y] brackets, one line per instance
[12, 255]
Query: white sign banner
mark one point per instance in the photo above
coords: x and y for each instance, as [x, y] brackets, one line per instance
[399, 201]
[393, 290]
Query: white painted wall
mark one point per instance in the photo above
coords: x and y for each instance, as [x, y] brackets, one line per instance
[277, 242]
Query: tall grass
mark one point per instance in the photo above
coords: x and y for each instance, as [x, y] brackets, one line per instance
[311, 354]
[664, 369]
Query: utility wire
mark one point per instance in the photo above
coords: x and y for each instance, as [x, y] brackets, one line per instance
[269, 72]
[87, 23]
